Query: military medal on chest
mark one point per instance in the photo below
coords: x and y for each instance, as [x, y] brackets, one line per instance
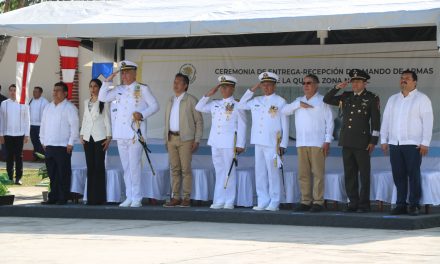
[229, 108]
[273, 110]
[137, 94]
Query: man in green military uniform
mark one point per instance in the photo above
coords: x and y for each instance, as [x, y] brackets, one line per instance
[358, 137]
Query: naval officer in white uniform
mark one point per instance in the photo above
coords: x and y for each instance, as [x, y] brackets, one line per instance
[227, 136]
[134, 102]
[269, 129]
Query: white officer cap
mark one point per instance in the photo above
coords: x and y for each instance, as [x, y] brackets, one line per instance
[227, 79]
[127, 65]
[268, 77]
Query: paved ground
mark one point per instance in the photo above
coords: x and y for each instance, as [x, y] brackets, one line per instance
[26, 240]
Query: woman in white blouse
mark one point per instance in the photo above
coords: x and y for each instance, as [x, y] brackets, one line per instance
[95, 135]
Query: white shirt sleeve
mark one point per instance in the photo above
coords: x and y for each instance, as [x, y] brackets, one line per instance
[243, 104]
[285, 128]
[27, 121]
[242, 129]
[427, 117]
[153, 105]
[43, 125]
[106, 94]
[107, 120]
[385, 126]
[329, 124]
[203, 106]
[73, 121]
[289, 109]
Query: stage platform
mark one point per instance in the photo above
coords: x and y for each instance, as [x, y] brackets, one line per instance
[328, 218]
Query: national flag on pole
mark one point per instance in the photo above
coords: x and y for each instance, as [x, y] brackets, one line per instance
[69, 61]
[27, 54]
[103, 55]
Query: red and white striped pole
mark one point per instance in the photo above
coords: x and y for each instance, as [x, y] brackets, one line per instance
[27, 54]
[69, 61]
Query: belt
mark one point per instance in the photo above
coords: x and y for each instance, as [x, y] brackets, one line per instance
[174, 133]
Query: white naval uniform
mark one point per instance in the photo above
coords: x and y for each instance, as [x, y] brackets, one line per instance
[221, 140]
[130, 150]
[265, 125]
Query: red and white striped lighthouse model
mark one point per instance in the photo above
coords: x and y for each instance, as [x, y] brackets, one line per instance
[69, 61]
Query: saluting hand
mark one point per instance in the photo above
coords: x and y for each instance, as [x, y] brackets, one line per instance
[213, 91]
[342, 85]
[110, 78]
[305, 105]
[255, 87]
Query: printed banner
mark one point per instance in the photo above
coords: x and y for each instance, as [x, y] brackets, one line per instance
[331, 63]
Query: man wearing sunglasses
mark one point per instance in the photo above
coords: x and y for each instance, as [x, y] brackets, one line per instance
[359, 134]
[314, 129]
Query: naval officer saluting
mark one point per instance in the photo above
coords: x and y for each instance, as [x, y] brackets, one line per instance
[269, 129]
[134, 102]
[227, 137]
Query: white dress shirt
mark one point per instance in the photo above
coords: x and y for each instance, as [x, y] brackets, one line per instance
[407, 120]
[36, 107]
[174, 114]
[14, 119]
[128, 99]
[59, 124]
[95, 124]
[267, 119]
[225, 122]
[314, 126]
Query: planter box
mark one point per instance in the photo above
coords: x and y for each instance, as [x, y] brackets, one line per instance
[7, 199]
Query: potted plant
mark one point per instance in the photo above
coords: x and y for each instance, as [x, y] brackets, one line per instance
[42, 172]
[5, 197]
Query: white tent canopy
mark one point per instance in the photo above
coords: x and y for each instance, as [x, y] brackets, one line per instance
[176, 18]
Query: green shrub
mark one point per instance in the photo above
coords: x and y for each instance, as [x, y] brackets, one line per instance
[3, 189]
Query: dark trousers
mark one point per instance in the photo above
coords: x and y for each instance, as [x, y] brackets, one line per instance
[95, 159]
[14, 148]
[59, 169]
[405, 164]
[35, 139]
[357, 165]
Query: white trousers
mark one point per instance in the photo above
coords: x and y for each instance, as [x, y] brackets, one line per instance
[267, 177]
[131, 159]
[222, 159]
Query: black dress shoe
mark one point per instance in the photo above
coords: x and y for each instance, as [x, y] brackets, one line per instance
[302, 208]
[399, 210]
[62, 202]
[316, 208]
[413, 210]
[350, 208]
[363, 210]
[49, 202]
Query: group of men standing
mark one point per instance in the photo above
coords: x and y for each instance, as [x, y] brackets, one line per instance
[359, 108]
[18, 122]
[406, 132]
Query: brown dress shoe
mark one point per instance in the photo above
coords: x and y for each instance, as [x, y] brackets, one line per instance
[172, 203]
[185, 203]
